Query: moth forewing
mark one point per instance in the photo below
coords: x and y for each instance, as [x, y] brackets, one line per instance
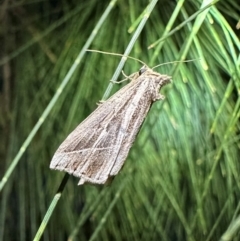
[97, 149]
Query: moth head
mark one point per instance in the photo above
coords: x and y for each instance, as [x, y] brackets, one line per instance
[160, 79]
[142, 70]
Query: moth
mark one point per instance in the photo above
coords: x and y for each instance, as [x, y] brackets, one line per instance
[97, 149]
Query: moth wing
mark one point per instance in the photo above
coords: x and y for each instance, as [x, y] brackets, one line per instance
[98, 147]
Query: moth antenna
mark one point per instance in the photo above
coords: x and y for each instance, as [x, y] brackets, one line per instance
[138, 60]
[173, 62]
[116, 54]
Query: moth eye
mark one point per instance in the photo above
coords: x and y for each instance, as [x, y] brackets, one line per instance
[142, 70]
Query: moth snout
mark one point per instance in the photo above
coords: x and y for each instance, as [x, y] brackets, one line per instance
[165, 79]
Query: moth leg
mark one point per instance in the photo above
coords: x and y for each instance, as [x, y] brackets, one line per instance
[130, 77]
[100, 102]
[118, 82]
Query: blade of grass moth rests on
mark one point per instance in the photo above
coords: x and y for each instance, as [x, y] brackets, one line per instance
[97, 149]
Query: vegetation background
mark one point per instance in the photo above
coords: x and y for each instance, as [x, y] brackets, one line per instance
[181, 180]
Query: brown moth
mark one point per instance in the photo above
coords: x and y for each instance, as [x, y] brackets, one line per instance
[97, 149]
